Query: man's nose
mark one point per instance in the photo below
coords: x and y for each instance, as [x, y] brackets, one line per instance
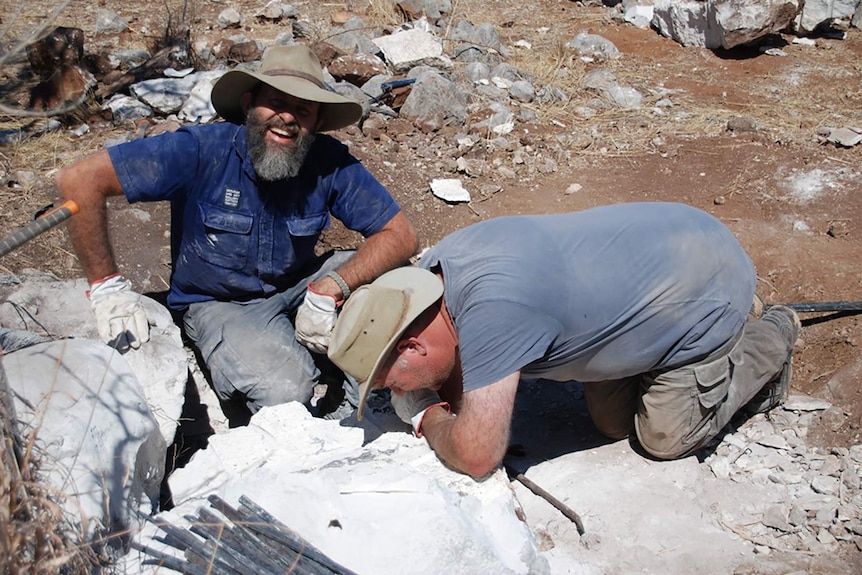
[287, 117]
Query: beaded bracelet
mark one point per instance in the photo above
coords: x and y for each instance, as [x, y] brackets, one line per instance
[345, 289]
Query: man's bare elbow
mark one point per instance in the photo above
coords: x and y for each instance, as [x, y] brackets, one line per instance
[412, 241]
[408, 237]
[89, 178]
[479, 467]
[61, 182]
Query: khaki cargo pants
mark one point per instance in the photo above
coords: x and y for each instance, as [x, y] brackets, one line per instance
[675, 412]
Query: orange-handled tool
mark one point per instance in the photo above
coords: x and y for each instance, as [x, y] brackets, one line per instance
[44, 223]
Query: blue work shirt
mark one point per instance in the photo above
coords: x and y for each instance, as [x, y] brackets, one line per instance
[235, 237]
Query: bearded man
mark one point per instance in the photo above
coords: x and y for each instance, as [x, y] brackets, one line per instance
[249, 199]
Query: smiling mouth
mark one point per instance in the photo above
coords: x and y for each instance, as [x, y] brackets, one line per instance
[284, 132]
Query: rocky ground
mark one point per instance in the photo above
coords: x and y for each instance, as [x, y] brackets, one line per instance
[737, 133]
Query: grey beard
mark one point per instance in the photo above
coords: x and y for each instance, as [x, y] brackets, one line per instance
[273, 165]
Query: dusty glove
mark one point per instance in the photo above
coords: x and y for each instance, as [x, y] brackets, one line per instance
[315, 319]
[411, 406]
[120, 317]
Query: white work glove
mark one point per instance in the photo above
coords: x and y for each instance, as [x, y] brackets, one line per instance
[411, 406]
[315, 320]
[120, 317]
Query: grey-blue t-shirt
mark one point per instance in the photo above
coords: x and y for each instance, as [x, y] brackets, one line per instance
[594, 295]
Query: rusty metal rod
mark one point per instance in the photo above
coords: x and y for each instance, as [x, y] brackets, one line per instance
[559, 505]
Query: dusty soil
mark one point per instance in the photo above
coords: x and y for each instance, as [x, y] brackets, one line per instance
[793, 201]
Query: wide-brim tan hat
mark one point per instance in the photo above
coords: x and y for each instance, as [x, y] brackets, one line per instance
[373, 319]
[294, 70]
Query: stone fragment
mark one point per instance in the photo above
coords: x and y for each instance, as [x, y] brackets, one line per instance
[805, 403]
[273, 11]
[109, 22]
[229, 18]
[819, 13]
[776, 518]
[450, 190]
[357, 68]
[825, 485]
[774, 441]
[845, 137]
[408, 49]
[594, 46]
[797, 516]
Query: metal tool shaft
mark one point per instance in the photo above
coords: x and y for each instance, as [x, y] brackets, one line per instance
[825, 306]
[36, 227]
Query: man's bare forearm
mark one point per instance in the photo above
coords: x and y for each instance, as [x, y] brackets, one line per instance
[475, 441]
[89, 182]
[387, 249]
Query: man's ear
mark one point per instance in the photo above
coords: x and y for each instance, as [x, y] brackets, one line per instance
[245, 102]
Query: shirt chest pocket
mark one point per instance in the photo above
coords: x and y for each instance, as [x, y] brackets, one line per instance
[226, 238]
[296, 238]
[308, 225]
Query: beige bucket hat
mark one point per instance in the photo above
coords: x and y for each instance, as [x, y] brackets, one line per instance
[294, 70]
[373, 319]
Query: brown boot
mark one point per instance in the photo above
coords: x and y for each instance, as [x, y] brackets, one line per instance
[775, 391]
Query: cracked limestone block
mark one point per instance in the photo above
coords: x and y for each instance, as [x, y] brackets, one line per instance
[98, 443]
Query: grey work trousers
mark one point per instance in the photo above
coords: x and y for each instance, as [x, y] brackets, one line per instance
[251, 350]
[677, 411]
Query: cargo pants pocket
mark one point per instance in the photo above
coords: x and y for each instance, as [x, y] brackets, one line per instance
[712, 386]
[713, 382]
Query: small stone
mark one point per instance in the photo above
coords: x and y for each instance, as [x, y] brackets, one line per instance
[826, 538]
[774, 441]
[839, 532]
[720, 467]
[805, 403]
[742, 124]
[719, 200]
[831, 466]
[784, 478]
[797, 516]
[450, 190]
[506, 173]
[846, 137]
[825, 485]
[776, 518]
[824, 517]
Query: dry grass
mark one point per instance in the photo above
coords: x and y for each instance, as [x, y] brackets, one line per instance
[382, 13]
[37, 158]
[36, 536]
